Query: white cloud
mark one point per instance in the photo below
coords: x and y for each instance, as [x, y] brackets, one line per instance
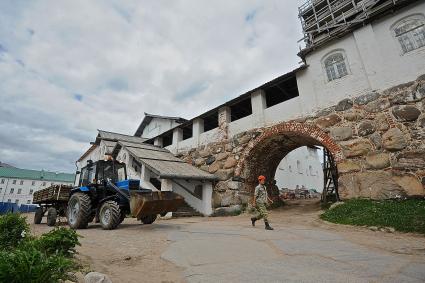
[122, 58]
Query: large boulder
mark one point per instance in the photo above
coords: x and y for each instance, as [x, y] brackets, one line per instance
[376, 139]
[222, 156]
[394, 140]
[344, 105]
[377, 161]
[365, 128]
[341, 133]
[406, 113]
[410, 184]
[230, 162]
[414, 159]
[224, 174]
[374, 185]
[215, 167]
[347, 166]
[96, 277]
[377, 106]
[328, 121]
[366, 98]
[357, 147]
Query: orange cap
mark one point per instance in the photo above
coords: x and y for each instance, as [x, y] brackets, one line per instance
[261, 177]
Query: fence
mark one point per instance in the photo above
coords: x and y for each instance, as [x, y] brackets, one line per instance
[6, 207]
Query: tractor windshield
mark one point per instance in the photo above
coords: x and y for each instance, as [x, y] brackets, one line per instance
[114, 171]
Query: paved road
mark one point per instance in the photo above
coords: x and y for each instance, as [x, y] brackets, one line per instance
[300, 249]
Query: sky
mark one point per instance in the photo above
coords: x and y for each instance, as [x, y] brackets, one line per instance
[68, 68]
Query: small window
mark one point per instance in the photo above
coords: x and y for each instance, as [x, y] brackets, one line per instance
[22, 182]
[335, 66]
[31, 192]
[14, 182]
[17, 201]
[11, 191]
[300, 170]
[28, 201]
[410, 33]
[290, 168]
[2, 181]
[310, 168]
[1, 189]
[32, 183]
[19, 191]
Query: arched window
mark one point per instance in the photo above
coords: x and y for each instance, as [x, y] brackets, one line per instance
[335, 66]
[410, 33]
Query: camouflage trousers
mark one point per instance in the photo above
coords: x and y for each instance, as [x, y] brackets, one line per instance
[261, 211]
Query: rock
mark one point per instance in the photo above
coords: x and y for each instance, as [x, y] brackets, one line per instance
[406, 113]
[324, 112]
[346, 166]
[216, 199]
[357, 147]
[376, 140]
[365, 128]
[377, 106]
[228, 211]
[214, 167]
[199, 161]
[228, 147]
[351, 116]
[374, 185]
[204, 168]
[414, 159]
[381, 122]
[224, 174]
[230, 198]
[244, 139]
[377, 161]
[96, 277]
[220, 187]
[393, 140]
[419, 94]
[344, 105]
[221, 156]
[234, 185]
[204, 153]
[410, 184]
[366, 98]
[230, 162]
[374, 228]
[341, 133]
[210, 160]
[328, 121]
[338, 203]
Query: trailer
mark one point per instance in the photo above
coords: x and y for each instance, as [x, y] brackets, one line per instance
[52, 200]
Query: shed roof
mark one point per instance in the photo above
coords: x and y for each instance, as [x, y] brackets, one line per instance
[148, 118]
[163, 162]
[111, 136]
[42, 175]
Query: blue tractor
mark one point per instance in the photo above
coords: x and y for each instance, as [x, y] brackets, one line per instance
[104, 194]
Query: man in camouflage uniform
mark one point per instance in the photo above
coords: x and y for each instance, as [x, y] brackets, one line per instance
[260, 201]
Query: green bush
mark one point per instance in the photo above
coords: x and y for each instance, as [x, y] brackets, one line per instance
[59, 241]
[13, 230]
[33, 266]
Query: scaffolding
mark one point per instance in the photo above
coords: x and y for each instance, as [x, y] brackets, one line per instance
[323, 20]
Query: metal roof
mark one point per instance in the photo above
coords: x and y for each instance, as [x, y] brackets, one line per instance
[42, 175]
[111, 136]
[163, 162]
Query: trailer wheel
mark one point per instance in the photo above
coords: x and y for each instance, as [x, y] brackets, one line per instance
[38, 216]
[148, 219]
[79, 211]
[110, 215]
[52, 214]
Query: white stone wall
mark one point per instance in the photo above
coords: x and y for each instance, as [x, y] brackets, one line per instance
[23, 189]
[158, 126]
[301, 167]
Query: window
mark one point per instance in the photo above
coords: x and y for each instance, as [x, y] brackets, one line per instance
[32, 183]
[410, 33]
[31, 192]
[310, 168]
[2, 181]
[335, 66]
[290, 168]
[14, 182]
[17, 201]
[300, 170]
[11, 191]
[21, 183]
[28, 201]
[9, 200]
[19, 191]
[1, 189]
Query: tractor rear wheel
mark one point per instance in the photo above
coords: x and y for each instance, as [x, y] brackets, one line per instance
[38, 216]
[110, 215]
[52, 214]
[148, 219]
[79, 211]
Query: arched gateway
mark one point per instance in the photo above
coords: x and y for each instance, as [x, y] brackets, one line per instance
[263, 154]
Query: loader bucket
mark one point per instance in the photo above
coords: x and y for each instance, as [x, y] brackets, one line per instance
[149, 203]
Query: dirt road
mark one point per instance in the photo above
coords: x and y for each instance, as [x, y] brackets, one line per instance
[301, 248]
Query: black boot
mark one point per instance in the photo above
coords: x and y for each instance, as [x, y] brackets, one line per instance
[268, 226]
[253, 219]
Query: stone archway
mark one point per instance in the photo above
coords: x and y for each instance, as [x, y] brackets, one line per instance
[264, 153]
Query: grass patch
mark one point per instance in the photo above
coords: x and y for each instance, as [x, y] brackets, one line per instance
[402, 215]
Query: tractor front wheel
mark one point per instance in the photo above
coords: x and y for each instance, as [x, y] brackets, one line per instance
[38, 216]
[52, 214]
[110, 215]
[148, 219]
[79, 211]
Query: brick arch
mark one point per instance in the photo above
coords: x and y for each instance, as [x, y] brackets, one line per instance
[275, 142]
